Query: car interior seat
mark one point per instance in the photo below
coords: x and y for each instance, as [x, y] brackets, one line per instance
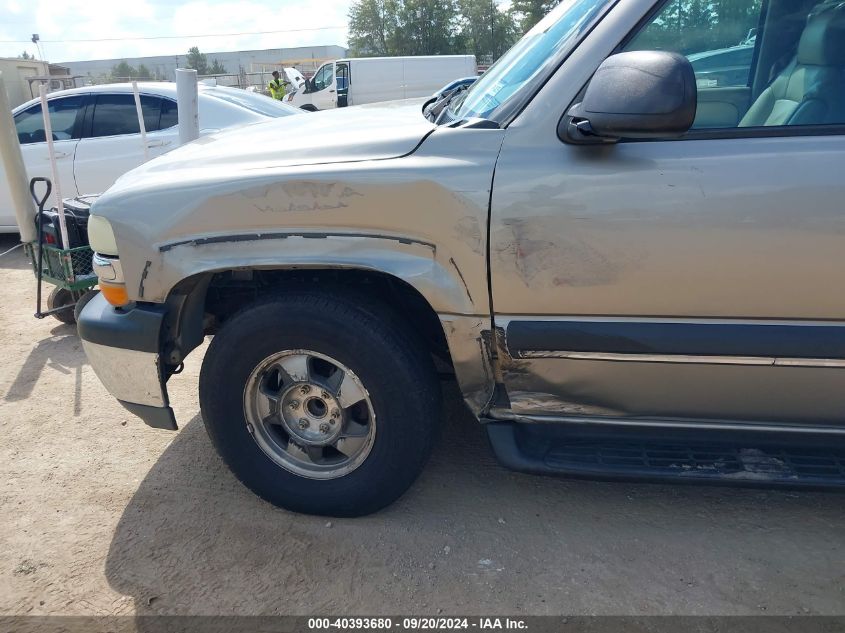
[811, 89]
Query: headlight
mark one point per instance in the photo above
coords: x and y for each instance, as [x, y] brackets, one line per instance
[110, 279]
[101, 235]
[105, 262]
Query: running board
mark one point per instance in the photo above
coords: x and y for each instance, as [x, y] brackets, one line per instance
[744, 461]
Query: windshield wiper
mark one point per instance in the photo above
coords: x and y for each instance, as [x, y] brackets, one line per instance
[434, 111]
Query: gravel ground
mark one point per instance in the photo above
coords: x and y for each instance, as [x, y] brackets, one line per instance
[101, 515]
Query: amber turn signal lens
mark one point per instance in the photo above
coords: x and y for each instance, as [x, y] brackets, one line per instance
[115, 294]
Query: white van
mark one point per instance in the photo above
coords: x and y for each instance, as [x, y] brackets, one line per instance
[356, 81]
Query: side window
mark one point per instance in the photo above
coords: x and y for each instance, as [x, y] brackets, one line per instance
[713, 36]
[151, 107]
[29, 124]
[323, 77]
[781, 61]
[115, 114]
[169, 114]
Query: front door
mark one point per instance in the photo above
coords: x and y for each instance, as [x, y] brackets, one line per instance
[323, 88]
[695, 279]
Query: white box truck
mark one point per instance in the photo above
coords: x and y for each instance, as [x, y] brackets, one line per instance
[346, 82]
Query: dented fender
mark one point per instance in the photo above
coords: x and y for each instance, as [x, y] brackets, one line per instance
[412, 261]
[421, 218]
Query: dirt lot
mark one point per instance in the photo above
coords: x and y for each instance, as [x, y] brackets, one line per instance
[102, 515]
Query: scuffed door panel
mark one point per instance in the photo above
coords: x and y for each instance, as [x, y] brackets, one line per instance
[739, 230]
[748, 228]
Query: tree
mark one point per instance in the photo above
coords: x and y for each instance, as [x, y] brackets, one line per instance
[373, 26]
[217, 68]
[526, 13]
[734, 19]
[692, 26]
[123, 71]
[26, 55]
[144, 72]
[486, 31]
[431, 27]
[404, 27]
[428, 27]
[198, 61]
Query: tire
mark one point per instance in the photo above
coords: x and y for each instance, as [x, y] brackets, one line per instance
[82, 302]
[383, 363]
[57, 298]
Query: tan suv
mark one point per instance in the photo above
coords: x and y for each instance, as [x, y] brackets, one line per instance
[631, 271]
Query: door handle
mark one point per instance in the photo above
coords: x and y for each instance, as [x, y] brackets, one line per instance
[59, 155]
[152, 144]
[332, 90]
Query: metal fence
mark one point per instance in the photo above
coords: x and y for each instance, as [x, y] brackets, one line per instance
[255, 81]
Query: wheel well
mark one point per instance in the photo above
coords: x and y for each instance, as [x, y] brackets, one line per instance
[308, 108]
[230, 291]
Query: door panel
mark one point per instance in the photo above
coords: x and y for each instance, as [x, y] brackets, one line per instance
[716, 228]
[101, 161]
[580, 388]
[669, 232]
[37, 162]
[325, 99]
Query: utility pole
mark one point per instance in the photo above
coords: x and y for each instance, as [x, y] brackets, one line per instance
[492, 34]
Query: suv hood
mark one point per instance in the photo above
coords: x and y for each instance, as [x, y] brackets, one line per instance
[368, 132]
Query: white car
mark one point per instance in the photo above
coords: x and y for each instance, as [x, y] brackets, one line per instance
[97, 137]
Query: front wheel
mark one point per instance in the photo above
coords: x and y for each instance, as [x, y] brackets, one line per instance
[318, 404]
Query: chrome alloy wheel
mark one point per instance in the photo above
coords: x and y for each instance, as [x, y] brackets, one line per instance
[310, 414]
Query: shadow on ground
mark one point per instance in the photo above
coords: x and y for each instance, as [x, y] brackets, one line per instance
[60, 352]
[471, 537]
[15, 260]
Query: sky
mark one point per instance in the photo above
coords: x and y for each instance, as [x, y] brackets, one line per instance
[119, 20]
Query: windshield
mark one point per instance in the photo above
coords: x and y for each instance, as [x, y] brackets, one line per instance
[251, 101]
[541, 48]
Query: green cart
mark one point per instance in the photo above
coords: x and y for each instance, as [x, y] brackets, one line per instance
[69, 270]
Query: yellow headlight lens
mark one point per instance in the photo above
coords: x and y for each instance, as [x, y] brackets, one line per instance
[101, 235]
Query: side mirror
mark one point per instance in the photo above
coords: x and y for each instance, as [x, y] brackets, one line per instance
[640, 94]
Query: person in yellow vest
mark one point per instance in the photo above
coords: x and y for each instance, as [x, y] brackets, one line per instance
[277, 87]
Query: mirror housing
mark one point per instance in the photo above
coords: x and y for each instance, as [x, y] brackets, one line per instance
[638, 94]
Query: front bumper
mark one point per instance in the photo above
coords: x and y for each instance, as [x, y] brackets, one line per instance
[123, 346]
